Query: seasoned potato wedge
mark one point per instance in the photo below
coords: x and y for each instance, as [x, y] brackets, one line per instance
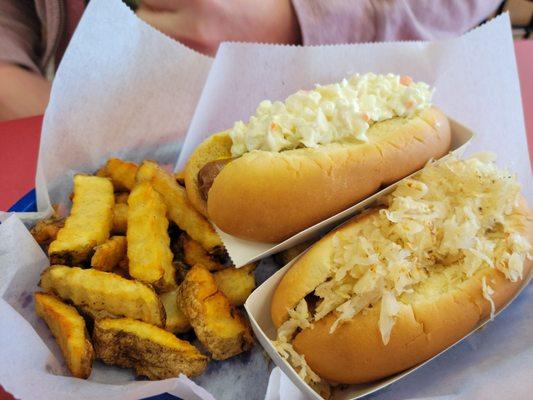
[120, 219]
[150, 351]
[180, 177]
[123, 266]
[181, 270]
[121, 198]
[177, 321]
[122, 173]
[93, 314]
[179, 209]
[220, 327]
[194, 253]
[107, 255]
[68, 327]
[236, 283]
[88, 224]
[45, 231]
[149, 254]
[105, 291]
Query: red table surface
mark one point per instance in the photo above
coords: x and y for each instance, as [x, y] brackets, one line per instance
[19, 141]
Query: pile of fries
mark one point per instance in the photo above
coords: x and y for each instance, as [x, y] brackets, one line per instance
[134, 267]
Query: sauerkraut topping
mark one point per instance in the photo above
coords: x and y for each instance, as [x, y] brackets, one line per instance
[338, 112]
[487, 294]
[450, 221]
[298, 319]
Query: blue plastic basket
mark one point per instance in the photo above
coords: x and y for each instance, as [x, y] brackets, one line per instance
[27, 203]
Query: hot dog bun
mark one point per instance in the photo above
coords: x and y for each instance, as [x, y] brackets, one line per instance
[403, 281]
[432, 319]
[215, 147]
[269, 196]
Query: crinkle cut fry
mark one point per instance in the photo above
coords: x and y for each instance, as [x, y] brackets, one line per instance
[88, 224]
[104, 291]
[180, 210]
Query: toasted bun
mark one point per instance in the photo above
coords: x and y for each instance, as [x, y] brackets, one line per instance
[213, 148]
[268, 196]
[354, 352]
[307, 273]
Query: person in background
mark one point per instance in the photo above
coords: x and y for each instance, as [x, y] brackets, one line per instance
[35, 33]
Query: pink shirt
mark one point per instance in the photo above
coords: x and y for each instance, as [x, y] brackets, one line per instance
[34, 32]
[353, 21]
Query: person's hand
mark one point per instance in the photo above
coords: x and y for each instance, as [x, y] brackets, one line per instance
[203, 24]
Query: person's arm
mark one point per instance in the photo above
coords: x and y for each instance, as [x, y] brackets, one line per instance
[203, 24]
[22, 93]
[352, 21]
[23, 90]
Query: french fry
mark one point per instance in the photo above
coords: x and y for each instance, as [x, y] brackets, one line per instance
[45, 231]
[88, 224]
[68, 327]
[120, 219]
[181, 270]
[104, 291]
[107, 255]
[121, 198]
[122, 173]
[124, 265]
[177, 321]
[93, 315]
[180, 177]
[179, 209]
[194, 253]
[149, 254]
[219, 326]
[150, 351]
[236, 283]
[119, 270]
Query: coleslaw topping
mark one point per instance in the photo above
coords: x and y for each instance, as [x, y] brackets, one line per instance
[338, 112]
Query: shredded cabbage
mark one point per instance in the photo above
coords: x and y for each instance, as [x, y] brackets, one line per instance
[298, 319]
[449, 221]
[338, 112]
[487, 294]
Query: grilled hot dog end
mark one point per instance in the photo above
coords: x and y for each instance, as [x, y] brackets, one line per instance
[208, 173]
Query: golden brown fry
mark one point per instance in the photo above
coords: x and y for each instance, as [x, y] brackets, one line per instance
[150, 351]
[149, 254]
[120, 219]
[122, 173]
[181, 270]
[93, 314]
[179, 209]
[88, 224]
[105, 291]
[180, 177]
[177, 321]
[68, 327]
[121, 198]
[45, 231]
[107, 255]
[220, 327]
[286, 256]
[124, 265]
[236, 283]
[194, 253]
